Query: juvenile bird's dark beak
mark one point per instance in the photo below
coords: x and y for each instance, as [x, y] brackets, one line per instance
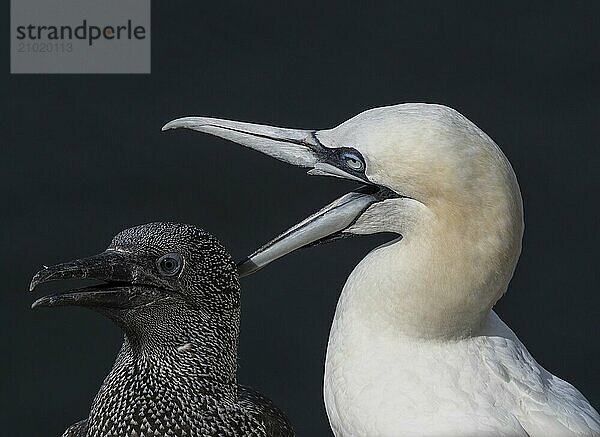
[118, 271]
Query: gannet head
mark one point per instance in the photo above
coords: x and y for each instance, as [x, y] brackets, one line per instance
[429, 174]
[147, 274]
[423, 151]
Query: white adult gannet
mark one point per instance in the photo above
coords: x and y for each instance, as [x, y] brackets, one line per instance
[415, 348]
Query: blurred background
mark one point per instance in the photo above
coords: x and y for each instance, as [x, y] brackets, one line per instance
[84, 158]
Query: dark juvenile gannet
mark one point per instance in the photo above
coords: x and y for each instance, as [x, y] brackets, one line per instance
[415, 348]
[173, 290]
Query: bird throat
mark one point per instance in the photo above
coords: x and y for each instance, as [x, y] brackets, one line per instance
[169, 380]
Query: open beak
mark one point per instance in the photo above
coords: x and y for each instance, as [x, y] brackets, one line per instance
[118, 272]
[304, 149]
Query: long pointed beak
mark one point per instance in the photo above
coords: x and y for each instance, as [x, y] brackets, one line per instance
[117, 270]
[302, 148]
[294, 146]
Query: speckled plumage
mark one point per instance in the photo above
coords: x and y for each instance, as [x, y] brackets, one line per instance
[175, 374]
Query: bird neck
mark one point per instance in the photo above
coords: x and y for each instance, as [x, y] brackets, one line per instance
[442, 278]
[176, 361]
[180, 346]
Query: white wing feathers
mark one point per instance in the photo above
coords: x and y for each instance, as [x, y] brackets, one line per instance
[547, 405]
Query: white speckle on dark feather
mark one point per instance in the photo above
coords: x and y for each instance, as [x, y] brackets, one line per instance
[184, 347]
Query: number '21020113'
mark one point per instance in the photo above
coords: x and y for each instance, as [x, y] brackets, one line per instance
[45, 47]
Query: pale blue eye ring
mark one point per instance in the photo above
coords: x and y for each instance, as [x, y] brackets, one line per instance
[353, 161]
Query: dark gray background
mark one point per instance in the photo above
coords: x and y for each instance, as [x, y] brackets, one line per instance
[85, 158]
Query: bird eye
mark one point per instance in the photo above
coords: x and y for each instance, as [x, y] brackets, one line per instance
[169, 264]
[353, 161]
